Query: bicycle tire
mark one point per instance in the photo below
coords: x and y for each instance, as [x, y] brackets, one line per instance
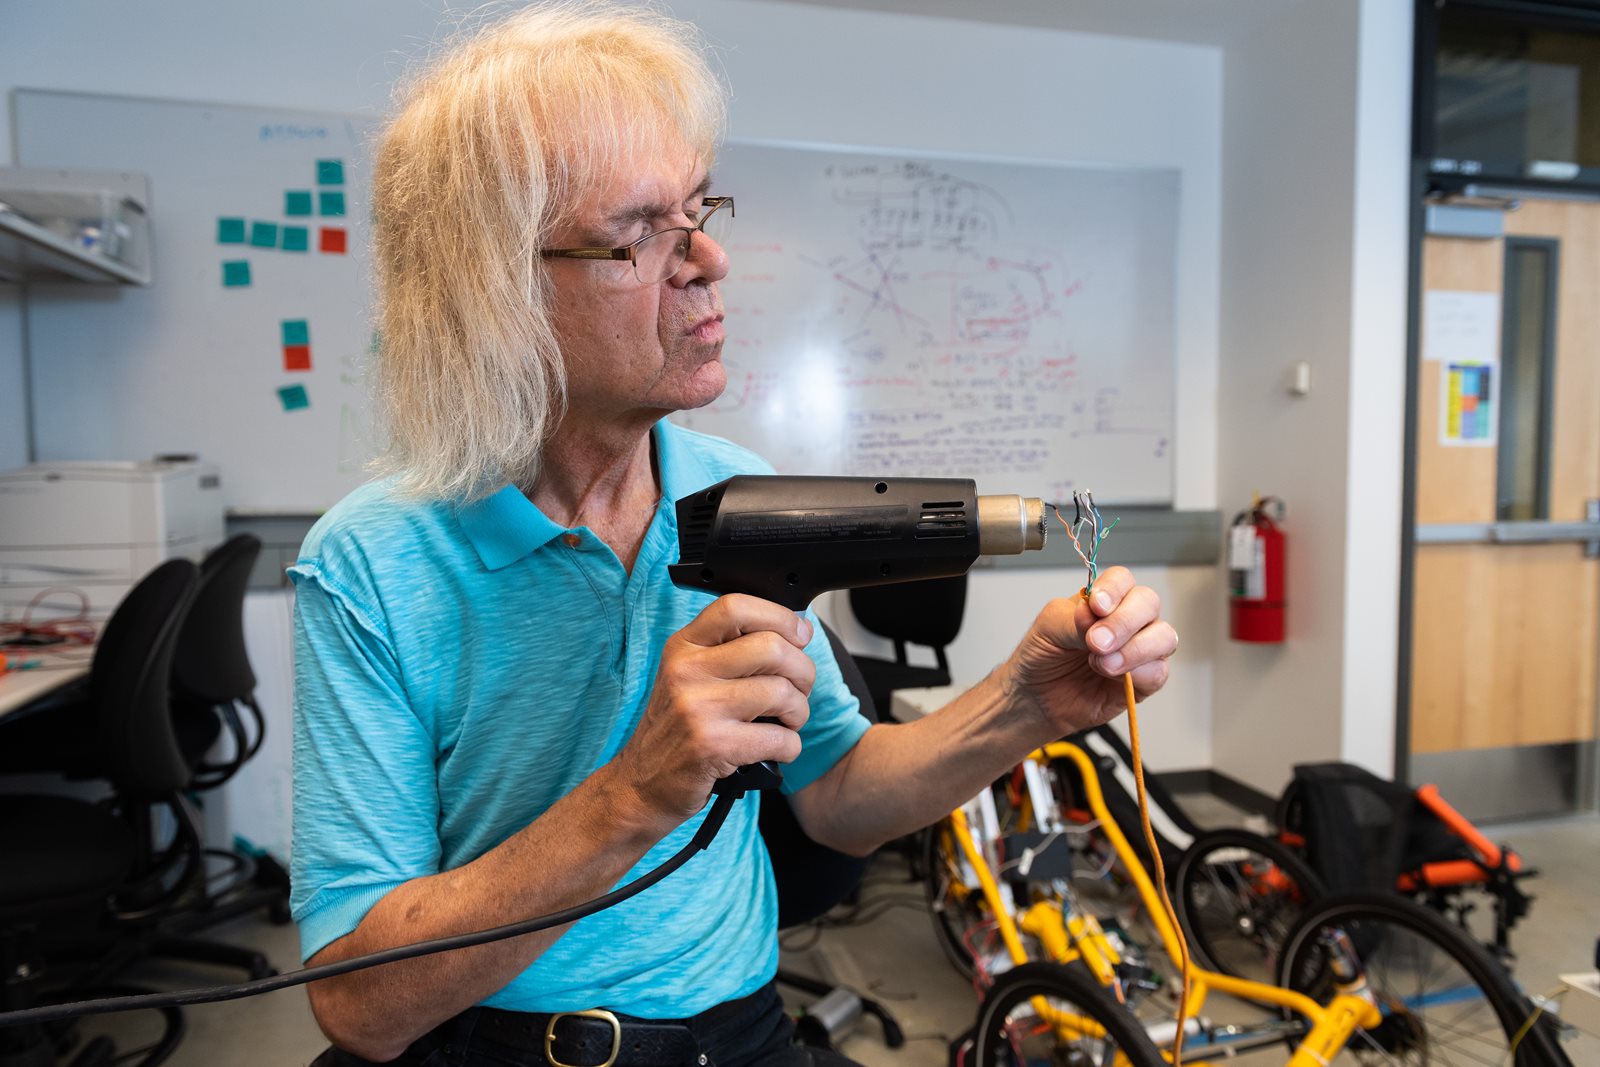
[1377, 926]
[1235, 914]
[1009, 1003]
[951, 916]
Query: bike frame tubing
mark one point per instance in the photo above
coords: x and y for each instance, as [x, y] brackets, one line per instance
[1331, 1026]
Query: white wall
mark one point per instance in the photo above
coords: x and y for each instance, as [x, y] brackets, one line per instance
[13, 415]
[1315, 143]
[1377, 386]
[800, 73]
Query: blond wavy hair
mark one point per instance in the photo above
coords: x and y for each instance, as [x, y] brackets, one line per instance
[493, 146]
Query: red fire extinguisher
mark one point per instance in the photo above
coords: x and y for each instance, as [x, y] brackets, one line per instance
[1255, 574]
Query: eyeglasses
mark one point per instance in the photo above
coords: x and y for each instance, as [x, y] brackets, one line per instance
[658, 256]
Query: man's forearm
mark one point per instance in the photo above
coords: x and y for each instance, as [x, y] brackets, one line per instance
[900, 778]
[575, 852]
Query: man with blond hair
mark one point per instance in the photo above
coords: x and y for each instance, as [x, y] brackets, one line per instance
[504, 707]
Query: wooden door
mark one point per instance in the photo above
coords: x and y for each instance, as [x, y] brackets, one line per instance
[1506, 601]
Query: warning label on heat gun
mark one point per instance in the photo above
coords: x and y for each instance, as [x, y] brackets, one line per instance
[819, 524]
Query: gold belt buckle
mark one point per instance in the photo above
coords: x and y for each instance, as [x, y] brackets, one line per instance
[592, 1013]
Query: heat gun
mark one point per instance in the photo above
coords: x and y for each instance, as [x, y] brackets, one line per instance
[789, 538]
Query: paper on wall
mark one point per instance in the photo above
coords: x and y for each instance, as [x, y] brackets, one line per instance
[1461, 326]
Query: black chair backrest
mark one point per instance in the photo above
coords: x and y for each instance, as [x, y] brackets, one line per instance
[130, 683]
[210, 664]
[925, 612]
[811, 878]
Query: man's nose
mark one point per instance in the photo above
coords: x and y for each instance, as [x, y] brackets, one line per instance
[707, 261]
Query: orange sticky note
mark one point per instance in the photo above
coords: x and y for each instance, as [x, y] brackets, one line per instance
[296, 357]
[331, 239]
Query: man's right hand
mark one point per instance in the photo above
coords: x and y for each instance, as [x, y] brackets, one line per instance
[741, 659]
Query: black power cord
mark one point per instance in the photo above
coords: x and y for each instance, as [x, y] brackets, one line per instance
[720, 806]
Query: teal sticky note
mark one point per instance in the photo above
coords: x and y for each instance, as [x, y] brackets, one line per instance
[297, 202]
[331, 203]
[264, 234]
[296, 332]
[330, 172]
[296, 239]
[293, 397]
[230, 231]
[236, 272]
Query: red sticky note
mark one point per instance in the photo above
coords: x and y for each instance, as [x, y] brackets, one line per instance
[331, 239]
[296, 357]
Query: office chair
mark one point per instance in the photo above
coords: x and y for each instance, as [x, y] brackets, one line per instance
[923, 612]
[66, 858]
[812, 878]
[211, 679]
[211, 675]
[118, 725]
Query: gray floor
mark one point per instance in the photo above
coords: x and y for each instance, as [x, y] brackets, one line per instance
[893, 957]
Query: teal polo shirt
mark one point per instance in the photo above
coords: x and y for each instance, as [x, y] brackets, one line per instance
[458, 669]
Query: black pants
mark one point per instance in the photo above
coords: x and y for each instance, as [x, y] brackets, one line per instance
[759, 1034]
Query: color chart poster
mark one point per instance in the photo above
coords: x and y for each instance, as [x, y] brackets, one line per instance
[1468, 412]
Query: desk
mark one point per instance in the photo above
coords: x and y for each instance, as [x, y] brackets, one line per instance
[908, 705]
[57, 668]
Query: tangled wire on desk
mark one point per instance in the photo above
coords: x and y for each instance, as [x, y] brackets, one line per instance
[55, 634]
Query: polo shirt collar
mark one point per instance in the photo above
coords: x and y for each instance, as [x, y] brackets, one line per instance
[506, 526]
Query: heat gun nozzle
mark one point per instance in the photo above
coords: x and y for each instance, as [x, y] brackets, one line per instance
[1009, 525]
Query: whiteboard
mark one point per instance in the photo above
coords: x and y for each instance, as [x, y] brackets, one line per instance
[191, 364]
[897, 314]
[923, 316]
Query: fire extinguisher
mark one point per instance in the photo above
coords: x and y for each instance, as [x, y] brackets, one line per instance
[1255, 574]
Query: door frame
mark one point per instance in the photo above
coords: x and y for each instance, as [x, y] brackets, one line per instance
[1424, 188]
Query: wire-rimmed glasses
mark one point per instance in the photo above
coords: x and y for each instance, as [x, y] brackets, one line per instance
[658, 256]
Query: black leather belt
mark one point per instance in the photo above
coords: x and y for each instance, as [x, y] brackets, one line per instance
[594, 1038]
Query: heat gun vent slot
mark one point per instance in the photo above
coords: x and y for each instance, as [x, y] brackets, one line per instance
[943, 518]
[695, 533]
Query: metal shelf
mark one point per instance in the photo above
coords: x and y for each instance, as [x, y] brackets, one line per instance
[30, 253]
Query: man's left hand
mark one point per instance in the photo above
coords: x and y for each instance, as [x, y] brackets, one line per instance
[1070, 665]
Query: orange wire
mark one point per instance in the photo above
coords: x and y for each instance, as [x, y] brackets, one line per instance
[1155, 857]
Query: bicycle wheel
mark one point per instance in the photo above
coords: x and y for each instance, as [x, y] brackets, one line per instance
[1043, 1013]
[956, 908]
[1237, 894]
[1444, 1001]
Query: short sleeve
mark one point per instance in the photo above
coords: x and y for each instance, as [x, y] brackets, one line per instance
[366, 803]
[836, 722]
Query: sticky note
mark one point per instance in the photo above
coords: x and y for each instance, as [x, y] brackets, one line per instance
[296, 357]
[296, 332]
[330, 172]
[236, 272]
[330, 203]
[293, 397]
[331, 239]
[297, 202]
[295, 239]
[264, 234]
[230, 231]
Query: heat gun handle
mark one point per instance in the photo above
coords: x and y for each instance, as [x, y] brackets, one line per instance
[763, 775]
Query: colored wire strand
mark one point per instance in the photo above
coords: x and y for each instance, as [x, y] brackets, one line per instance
[1086, 514]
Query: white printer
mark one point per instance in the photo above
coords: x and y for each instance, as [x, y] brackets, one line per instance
[97, 527]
